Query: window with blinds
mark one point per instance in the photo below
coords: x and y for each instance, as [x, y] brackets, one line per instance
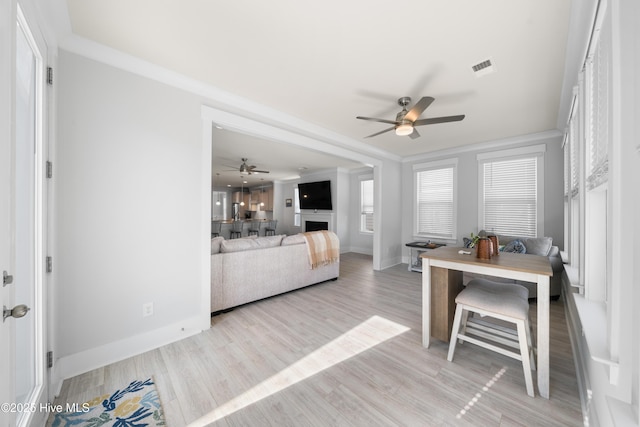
[366, 206]
[297, 220]
[435, 201]
[598, 80]
[510, 196]
[574, 183]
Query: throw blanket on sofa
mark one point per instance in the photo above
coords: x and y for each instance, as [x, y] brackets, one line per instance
[323, 247]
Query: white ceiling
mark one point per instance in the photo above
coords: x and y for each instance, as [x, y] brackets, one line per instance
[327, 62]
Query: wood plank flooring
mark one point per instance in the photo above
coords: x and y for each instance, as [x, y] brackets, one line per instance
[341, 353]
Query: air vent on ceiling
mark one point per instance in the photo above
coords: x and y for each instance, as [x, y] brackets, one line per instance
[483, 67]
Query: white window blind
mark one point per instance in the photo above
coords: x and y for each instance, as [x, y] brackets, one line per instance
[510, 196]
[435, 215]
[573, 153]
[366, 205]
[598, 80]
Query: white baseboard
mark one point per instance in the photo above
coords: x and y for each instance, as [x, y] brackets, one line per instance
[361, 250]
[85, 361]
[390, 262]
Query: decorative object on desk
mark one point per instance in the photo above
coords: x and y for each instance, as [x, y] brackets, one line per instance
[470, 242]
[137, 404]
[483, 248]
[495, 249]
[432, 245]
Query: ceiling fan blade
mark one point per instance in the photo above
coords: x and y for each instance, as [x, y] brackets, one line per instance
[417, 109]
[437, 120]
[382, 131]
[258, 171]
[391, 122]
[414, 134]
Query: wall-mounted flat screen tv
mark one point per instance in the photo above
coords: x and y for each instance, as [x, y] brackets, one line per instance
[315, 195]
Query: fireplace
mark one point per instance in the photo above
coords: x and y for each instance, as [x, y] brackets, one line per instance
[316, 225]
[309, 220]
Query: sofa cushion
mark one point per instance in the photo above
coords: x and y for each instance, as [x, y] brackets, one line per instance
[538, 245]
[215, 244]
[237, 245]
[247, 244]
[515, 246]
[269, 241]
[296, 239]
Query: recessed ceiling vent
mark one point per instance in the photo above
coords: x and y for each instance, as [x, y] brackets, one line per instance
[483, 68]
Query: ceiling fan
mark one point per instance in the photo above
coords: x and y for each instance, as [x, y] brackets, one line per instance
[245, 169]
[407, 120]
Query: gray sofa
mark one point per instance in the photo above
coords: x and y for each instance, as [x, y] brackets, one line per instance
[250, 269]
[536, 246]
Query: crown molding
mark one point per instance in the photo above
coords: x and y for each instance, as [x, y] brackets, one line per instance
[216, 97]
[489, 145]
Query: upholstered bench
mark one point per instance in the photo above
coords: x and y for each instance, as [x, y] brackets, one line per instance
[506, 302]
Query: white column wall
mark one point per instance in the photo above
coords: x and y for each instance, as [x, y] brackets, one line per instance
[128, 183]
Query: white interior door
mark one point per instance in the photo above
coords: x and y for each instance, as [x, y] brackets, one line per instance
[22, 219]
[30, 370]
[7, 78]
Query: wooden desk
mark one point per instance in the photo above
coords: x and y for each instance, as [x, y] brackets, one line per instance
[529, 268]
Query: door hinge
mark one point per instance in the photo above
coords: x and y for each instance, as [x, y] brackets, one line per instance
[49, 263]
[49, 359]
[49, 75]
[7, 279]
[49, 169]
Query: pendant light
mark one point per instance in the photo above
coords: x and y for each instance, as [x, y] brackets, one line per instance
[262, 193]
[217, 191]
[241, 191]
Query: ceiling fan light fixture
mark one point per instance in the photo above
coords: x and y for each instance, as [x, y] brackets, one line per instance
[404, 129]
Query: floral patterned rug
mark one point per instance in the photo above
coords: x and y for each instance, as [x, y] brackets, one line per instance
[137, 404]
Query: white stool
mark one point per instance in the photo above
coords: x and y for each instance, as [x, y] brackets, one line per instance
[507, 302]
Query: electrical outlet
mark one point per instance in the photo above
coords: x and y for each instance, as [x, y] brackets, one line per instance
[147, 309]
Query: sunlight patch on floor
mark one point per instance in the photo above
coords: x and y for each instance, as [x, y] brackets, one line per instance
[366, 335]
[477, 396]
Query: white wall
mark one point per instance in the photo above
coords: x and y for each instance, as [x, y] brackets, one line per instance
[467, 221]
[129, 204]
[388, 186]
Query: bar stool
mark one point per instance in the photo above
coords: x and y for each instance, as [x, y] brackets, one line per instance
[236, 229]
[270, 229]
[507, 302]
[216, 226]
[254, 227]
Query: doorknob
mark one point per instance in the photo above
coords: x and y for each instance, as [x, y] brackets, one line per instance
[18, 311]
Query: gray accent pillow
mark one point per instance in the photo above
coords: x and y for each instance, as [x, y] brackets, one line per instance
[539, 245]
[515, 246]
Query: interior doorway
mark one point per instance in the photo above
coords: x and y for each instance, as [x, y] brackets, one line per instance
[29, 221]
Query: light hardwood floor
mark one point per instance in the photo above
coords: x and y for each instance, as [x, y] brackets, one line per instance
[345, 352]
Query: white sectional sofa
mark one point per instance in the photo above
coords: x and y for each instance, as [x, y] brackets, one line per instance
[250, 269]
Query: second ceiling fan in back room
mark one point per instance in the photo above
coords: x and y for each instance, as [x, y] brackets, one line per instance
[407, 120]
[245, 169]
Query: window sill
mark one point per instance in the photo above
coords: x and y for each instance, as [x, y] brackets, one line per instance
[573, 275]
[593, 319]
